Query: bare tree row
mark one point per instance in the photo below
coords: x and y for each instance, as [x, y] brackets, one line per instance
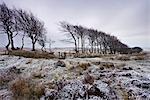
[92, 40]
[15, 22]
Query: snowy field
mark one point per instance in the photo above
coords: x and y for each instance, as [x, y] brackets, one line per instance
[80, 78]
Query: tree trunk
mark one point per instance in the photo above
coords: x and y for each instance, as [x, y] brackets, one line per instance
[42, 48]
[100, 47]
[33, 45]
[7, 46]
[97, 48]
[82, 45]
[75, 43]
[92, 47]
[23, 41]
[12, 42]
[78, 44]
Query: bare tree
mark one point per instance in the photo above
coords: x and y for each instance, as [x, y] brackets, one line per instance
[80, 32]
[69, 29]
[91, 38]
[36, 31]
[99, 42]
[31, 26]
[8, 24]
[50, 42]
[42, 42]
[21, 19]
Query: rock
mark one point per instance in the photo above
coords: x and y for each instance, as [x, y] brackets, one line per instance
[2, 60]
[95, 91]
[60, 63]
[101, 75]
[141, 84]
[125, 68]
[60, 84]
[88, 79]
[101, 68]
[5, 95]
[127, 75]
[14, 70]
[100, 89]
[74, 90]
[50, 94]
[102, 86]
[144, 85]
[134, 82]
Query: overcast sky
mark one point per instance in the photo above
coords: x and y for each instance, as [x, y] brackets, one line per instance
[127, 19]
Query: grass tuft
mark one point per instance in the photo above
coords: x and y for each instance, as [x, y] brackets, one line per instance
[25, 89]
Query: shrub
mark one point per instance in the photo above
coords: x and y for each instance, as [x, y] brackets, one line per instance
[136, 50]
[26, 89]
[60, 63]
[38, 90]
[7, 75]
[20, 87]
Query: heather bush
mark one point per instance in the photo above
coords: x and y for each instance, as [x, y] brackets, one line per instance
[26, 89]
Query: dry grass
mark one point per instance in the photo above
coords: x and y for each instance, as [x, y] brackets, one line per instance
[7, 75]
[139, 54]
[90, 55]
[20, 87]
[83, 66]
[107, 64]
[138, 57]
[78, 68]
[120, 65]
[37, 75]
[26, 89]
[123, 57]
[31, 54]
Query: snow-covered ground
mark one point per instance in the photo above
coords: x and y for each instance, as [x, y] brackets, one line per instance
[113, 79]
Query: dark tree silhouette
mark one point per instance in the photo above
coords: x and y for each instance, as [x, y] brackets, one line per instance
[31, 26]
[66, 27]
[99, 42]
[80, 32]
[8, 24]
[20, 17]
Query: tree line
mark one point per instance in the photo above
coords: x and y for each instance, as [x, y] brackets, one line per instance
[18, 21]
[96, 41]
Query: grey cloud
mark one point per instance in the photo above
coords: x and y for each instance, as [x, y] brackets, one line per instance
[122, 18]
